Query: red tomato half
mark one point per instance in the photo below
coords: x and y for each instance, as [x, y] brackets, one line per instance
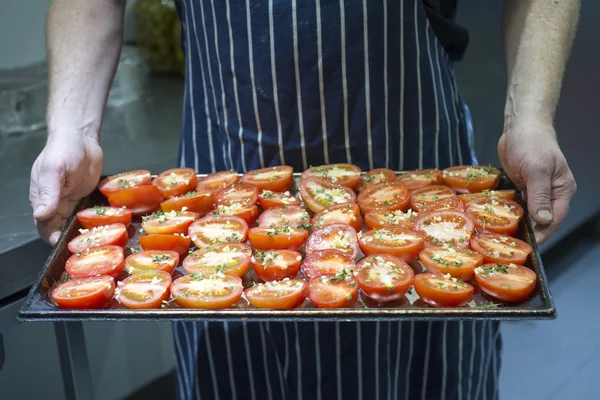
[248, 213]
[495, 215]
[168, 222]
[176, 182]
[105, 260]
[113, 184]
[388, 196]
[327, 262]
[340, 237]
[390, 219]
[115, 234]
[214, 292]
[278, 295]
[227, 258]
[223, 229]
[459, 264]
[85, 293]
[402, 243]
[217, 181]
[280, 217]
[268, 199]
[152, 260]
[276, 179]
[178, 243]
[509, 194]
[333, 292]
[277, 238]
[140, 200]
[345, 213]
[421, 199]
[445, 227]
[384, 278]
[421, 178]
[340, 174]
[100, 215]
[506, 282]
[374, 177]
[197, 202]
[443, 290]
[275, 265]
[246, 195]
[500, 249]
[146, 290]
[448, 203]
[471, 179]
[319, 194]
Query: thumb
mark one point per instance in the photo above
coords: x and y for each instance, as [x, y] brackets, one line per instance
[49, 186]
[539, 189]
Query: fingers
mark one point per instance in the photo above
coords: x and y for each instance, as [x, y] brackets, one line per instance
[561, 197]
[539, 196]
[49, 185]
[50, 229]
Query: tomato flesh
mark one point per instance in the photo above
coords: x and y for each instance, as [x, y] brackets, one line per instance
[115, 183]
[140, 200]
[319, 194]
[345, 213]
[248, 213]
[168, 222]
[269, 199]
[443, 290]
[145, 290]
[217, 181]
[347, 175]
[421, 199]
[332, 292]
[278, 295]
[103, 215]
[152, 260]
[388, 196]
[197, 202]
[508, 194]
[175, 182]
[280, 217]
[390, 219]
[275, 265]
[448, 203]
[244, 194]
[495, 215]
[277, 238]
[471, 179]
[496, 248]
[402, 243]
[105, 260]
[326, 262]
[227, 258]
[85, 293]
[215, 292]
[276, 179]
[421, 178]
[506, 282]
[448, 227]
[374, 177]
[384, 278]
[339, 237]
[115, 234]
[178, 243]
[459, 264]
[222, 229]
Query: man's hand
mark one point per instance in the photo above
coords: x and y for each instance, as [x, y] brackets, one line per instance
[532, 159]
[65, 171]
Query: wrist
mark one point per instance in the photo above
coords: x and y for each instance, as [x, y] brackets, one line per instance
[519, 110]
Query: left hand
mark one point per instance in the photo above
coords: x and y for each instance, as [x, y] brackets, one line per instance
[532, 159]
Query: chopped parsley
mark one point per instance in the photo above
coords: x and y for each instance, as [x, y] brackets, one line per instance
[159, 258]
[99, 210]
[191, 194]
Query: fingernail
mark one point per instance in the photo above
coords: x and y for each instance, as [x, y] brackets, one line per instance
[39, 210]
[545, 215]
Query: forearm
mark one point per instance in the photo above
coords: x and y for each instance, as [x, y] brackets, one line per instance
[83, 43]
[538, 35]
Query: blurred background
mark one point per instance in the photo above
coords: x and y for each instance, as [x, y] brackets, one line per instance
[542, 360]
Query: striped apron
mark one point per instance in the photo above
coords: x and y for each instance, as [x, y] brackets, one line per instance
[306, 83]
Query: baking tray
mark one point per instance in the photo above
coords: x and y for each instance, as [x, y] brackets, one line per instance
[38, 305]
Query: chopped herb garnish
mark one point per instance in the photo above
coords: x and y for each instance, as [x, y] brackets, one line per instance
[159, 258]
[99, 210]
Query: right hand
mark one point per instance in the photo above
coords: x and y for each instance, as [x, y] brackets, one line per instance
[67, 169]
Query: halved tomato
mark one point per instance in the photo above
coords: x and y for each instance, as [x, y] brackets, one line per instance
[506, 282]
[175, 182]
[445, 227]
[340, 237]
[197, 202]
[374, 177]
[277, 238]
[145, 290]
[276, 179]
[446, 260]
[495, 215]
[390, 219]
[497, 248]
[388, 196]
[223, 229]
[346, 175]
[383, 278]
[280, 217]
[509, 194]
[217, 181]
[275, 265]
[319, 194]
[168, 222]
[227, 258]
[326, 262]
[215, 292]
[248, 213]
[113, 184]
[340, 291]
[152, 260]
[345, 213]
[421, 199]
[140, 200]
[85, 293]
[246, 195]
[402, 243]
[421, 178]
[178, 243]
[471, 178]
[101, 215]
[105, 260]
[114, 234]
[448, 203]
[269, 199]
[278, 295]
[443, 290]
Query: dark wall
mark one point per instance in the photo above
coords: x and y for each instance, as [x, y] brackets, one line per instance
[482, 77]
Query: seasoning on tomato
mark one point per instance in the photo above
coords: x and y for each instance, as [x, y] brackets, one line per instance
[146, 290]
[277, 238]
[471, 178]
[141, 200]
[448, 203]
[279, 295]
[497, 248]
[443, 290]
[222, 229]
[113, 184]
[402, 243]
[446, 260]
[103, 215]
[340, 174]
[85, 293]
[276, 179]
[388, 196]
[383, 278]
[421, 178]
[340, 237]
[161, 222]
[390, 219]
[280, 217]
[340, 291]
[495, 215]
[275, 265]
[175, 182]
[506, 282]
[269, 199]
[421, 199]
[214, 292]
[227, 258]
[105, 260]
[374, 177]
[114, 234]
[248, 213]
[319, 194]
[152, 260]
[217, 181]
[326, 262]
[345, 213]
[448, 227]
[178, 242]
[509, 194]
[244, 194]
[198, 202]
